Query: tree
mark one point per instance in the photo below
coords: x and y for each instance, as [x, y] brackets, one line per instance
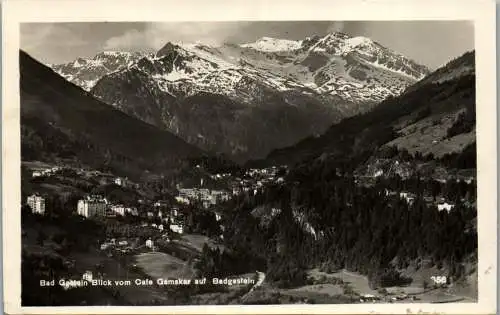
[41, 238]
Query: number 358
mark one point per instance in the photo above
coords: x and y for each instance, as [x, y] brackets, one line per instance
[439, 279]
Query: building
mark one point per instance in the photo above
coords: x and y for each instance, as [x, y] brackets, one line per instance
[149, 243]
[445, 206]
[37, 174]
[118, 209]
[87, 276]
[183, 200]
[408, 197]
[161, 203]
[218, 216]
[36, 203]
[91, 206]
[206, 196]
[121, 181]
[105, 246]
[133, 211]
[177, 228]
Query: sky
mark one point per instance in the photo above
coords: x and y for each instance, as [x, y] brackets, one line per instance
[431, 43]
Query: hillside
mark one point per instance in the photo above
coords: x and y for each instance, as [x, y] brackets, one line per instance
[436, 116]
[61, 121]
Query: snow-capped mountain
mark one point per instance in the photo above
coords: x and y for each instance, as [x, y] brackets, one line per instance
[85, 72]
[248, 99]
[355, 69]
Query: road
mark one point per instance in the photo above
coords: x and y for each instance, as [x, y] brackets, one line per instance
[260, 280]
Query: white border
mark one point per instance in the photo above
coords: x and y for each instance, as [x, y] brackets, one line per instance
[482, 12]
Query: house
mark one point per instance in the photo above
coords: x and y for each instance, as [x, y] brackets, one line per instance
[428, 199]
[445, 206]
[105, 246]
[161, 203]
[36, 203]
[408, 197]
[275, 211]
[369, 298]
[218, 216]
[378, 173]
[149, 243]
[390, 192]
[36, 174]
[121, 181]
[177, 228]
[87, 276]
[91, 206]
[133, 211]
[118, 209]
[183, 200]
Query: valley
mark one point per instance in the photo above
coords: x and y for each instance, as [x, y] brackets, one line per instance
[324, 170]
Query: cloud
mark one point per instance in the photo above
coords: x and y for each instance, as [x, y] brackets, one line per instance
[56, 35]
[155, 35]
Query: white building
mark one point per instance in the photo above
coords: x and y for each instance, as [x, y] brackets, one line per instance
[161, 203]
[87, 276]
[445, 206]
[132, 210]
[121, 181]
[36, 174]
[36, 203]
[177, 228]
[218, 217]
[183, 200]
[90, 207]
[118, 209]
[105, 246]
[149, 243]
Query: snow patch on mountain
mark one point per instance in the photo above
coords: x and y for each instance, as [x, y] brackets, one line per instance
[269, 44]
[85, 72]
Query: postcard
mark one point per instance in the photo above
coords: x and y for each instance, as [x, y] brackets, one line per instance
[249, 157]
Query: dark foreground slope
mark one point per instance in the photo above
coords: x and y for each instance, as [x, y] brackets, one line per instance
[61, 121]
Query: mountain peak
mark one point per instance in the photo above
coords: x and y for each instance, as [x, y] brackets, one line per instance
[168, 49]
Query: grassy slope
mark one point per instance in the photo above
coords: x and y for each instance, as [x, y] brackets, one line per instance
[413, 121]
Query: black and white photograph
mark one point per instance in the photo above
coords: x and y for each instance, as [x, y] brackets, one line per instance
[264, 162]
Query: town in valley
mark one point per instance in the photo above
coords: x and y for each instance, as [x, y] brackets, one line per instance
[313, 167]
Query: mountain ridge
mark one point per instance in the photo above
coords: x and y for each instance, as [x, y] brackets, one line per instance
[317, 83]
[59, 120]
[419, 120]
